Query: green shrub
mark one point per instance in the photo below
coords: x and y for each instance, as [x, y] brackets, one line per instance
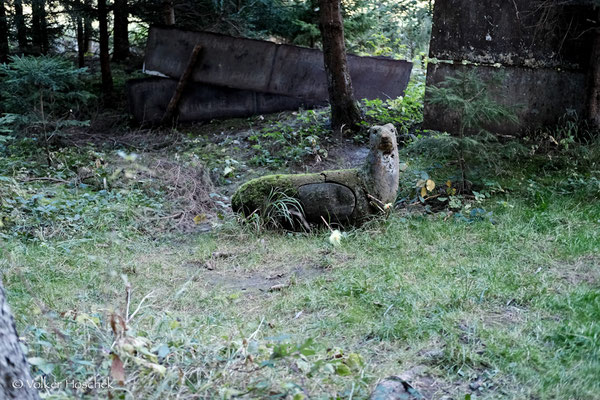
[43, 93]
[468, 96]
[405, 112]
[291, 140]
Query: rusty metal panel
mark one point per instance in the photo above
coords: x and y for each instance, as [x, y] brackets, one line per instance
[267, 67]
[301, 75]
[540, 96]
[148, 99]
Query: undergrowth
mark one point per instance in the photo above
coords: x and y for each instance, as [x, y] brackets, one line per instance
[562, 160]
[86, 190]
[292, 140]
[491, 293]
[306, 134]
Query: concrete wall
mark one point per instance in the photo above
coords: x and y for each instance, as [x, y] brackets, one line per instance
[542, 47]
[267, 67]
[538, 96]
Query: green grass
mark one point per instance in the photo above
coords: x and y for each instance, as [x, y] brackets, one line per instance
[502, 307]
[488, 300]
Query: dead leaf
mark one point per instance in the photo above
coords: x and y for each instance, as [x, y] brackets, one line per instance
[227, 171]
[430, 185]
[117, 370]
[113, 323]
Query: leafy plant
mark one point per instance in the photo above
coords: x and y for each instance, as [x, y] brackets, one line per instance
[405, 112]
[290, 141]
[42, 88]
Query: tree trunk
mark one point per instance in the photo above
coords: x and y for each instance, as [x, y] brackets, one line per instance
[15, 380]
[39, 33]
[594, 81]
[121, 32]
[21, 28]
[344, 110]
[87, 27]
[3, 33]
[78, 16]
[80, 43]
[44, 24]
[36, 28]
[168, 12]
[107, 82]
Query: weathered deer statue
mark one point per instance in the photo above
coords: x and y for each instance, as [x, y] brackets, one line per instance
[346, 196]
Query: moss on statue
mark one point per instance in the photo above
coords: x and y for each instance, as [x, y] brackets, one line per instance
[341, 195]
[252, 194]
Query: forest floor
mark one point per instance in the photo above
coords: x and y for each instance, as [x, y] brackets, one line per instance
[123, 262]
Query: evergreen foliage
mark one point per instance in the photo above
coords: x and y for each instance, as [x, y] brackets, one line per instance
[42, 88]
[396, 28]
[469, 97]
[39, 95]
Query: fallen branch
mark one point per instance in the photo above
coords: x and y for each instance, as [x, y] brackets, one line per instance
[181, 85]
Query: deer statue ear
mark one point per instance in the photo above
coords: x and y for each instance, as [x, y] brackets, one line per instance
[391, 127]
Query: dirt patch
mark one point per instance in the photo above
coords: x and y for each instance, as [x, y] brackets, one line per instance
[272, 278]
[505, 316]
[584, 270]
[429, 386]
[485, 382]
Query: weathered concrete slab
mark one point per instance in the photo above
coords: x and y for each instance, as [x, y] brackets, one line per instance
[148, 99]
[541, 96]
[551, 33]
[543, 48]
[326, 198]
[267, 67]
